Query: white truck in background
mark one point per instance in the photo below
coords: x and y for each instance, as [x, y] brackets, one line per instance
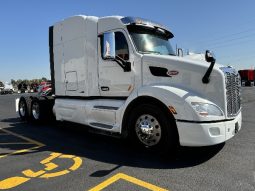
[7, 89]
[120, 75]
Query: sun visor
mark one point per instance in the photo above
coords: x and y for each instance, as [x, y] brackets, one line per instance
[144, 22]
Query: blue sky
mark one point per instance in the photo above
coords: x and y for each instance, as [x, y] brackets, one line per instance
[224, 26]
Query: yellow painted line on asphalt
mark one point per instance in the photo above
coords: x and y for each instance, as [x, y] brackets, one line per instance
[23, 137]
[32, 174]
[50, 158]
[20, 151]
[29, 174]
[50, 166]
[125, 177]
[31, 141]
[17, 143]
[12, 182]
[77, 163]
[66, 156]
[54, 174]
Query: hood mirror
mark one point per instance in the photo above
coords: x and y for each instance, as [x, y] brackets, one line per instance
[209, 56]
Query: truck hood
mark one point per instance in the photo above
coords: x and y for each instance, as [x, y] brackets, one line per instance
[185, 74]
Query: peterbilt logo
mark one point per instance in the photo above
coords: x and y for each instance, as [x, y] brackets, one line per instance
[172, 73]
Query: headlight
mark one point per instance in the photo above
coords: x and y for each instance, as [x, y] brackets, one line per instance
[205, 109]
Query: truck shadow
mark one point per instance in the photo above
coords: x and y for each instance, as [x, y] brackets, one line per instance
[74, 139]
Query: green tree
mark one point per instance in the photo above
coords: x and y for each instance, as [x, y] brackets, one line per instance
[13, 82]
[44, 79]
[18, 81]
[1, 84]
[26, 81]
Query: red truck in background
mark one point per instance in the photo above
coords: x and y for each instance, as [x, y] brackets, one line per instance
[44, 86]
[247, 77]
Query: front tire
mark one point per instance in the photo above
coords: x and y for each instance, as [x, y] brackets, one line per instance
[152, 128]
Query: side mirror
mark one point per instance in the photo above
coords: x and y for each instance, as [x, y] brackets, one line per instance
[108, 45]
[209, 56]
[109, 52]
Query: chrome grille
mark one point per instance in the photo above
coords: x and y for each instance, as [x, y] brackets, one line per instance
[233, 85]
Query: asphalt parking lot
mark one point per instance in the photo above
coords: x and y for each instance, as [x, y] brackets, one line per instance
[65, 156]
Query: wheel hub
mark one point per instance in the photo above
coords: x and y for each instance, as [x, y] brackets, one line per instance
[22, 109]
[36, 111]
[148, 130]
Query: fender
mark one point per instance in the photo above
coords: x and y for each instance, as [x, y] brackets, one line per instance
[176, 97]
[171, 96]
[180, 99]
[167, 95]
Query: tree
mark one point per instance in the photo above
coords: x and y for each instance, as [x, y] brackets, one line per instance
[26, 81]
[18, 81]
[14, 83]
[44, 79]
[1, 84]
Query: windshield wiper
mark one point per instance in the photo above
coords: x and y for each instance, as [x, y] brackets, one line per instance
[149, 52]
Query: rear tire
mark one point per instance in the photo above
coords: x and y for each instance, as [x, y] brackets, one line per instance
[151, 128]
[23, 112]
[36, 111]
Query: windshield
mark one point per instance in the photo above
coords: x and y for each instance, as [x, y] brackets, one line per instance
[151, 40]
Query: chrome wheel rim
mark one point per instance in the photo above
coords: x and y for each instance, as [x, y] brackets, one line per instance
[22, 109]
[35, 110]
[148, 130]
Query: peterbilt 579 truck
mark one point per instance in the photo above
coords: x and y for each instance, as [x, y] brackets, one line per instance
[120, 75]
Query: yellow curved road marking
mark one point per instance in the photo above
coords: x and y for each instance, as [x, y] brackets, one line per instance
[54, 174]
[77, 163]
[32, 174]
[12, 182]
[16, 180]
[131, 179]
[50, 166]
[50, 158]
[66, 156]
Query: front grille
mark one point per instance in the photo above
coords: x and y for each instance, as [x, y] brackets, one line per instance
[233, 84]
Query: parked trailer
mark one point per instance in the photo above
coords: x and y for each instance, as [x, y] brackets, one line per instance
[251, 77]
[247, 77]
[120, 75]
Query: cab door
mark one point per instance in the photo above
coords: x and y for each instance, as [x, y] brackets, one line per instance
[113, 80]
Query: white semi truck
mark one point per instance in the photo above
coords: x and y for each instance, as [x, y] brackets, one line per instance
[120, 75]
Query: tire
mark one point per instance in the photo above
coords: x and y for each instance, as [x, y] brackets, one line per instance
[23, 112]
[151, 128]
[36, 111]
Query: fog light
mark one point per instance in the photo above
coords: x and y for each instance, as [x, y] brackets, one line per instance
[214, 131]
